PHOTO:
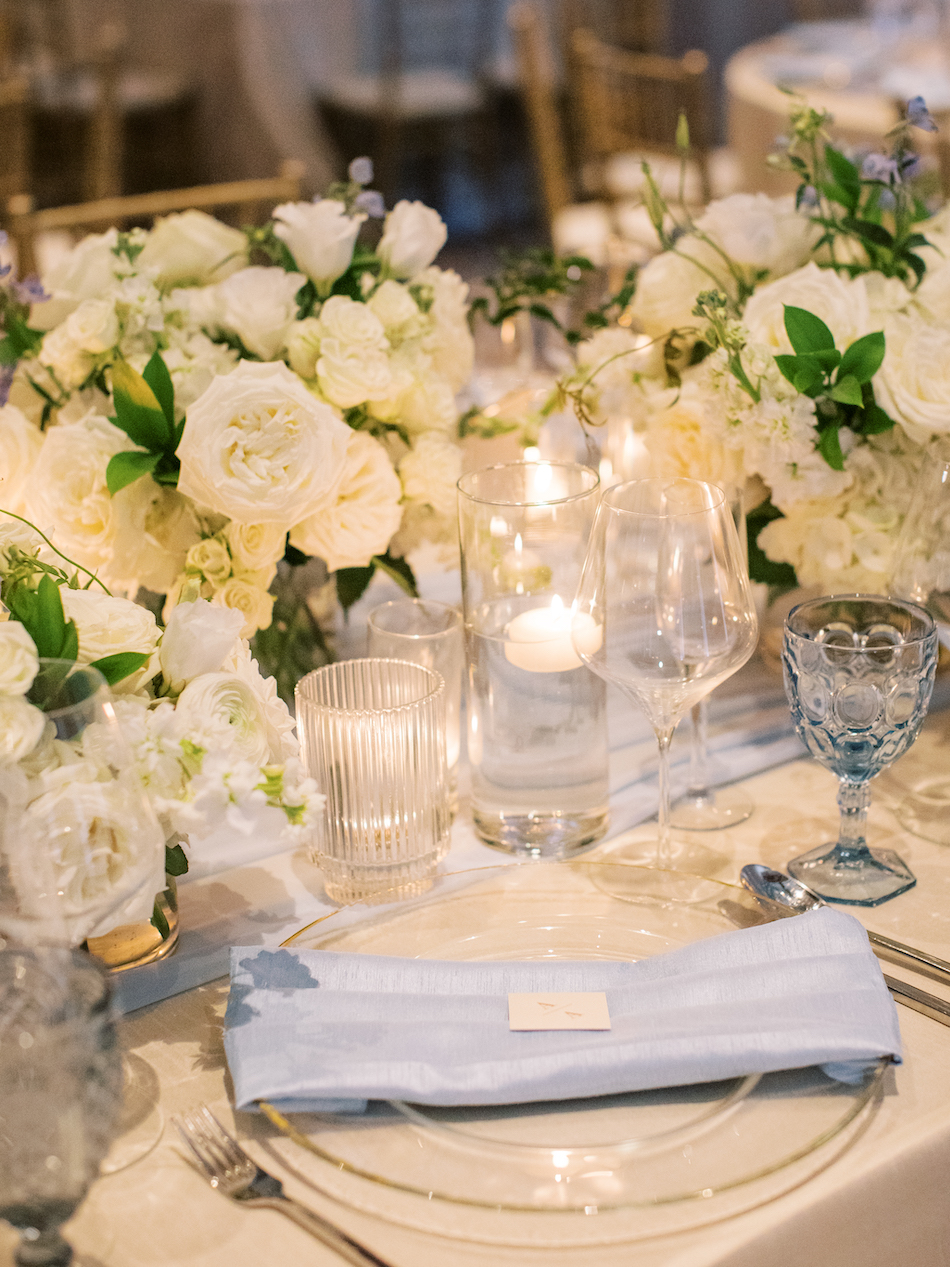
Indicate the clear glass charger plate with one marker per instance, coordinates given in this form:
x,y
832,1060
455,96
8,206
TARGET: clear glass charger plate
x,y
612,1168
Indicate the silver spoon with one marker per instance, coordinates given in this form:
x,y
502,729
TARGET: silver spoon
x,y
792,897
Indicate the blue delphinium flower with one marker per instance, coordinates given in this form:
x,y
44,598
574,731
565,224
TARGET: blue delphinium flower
x,y
919,116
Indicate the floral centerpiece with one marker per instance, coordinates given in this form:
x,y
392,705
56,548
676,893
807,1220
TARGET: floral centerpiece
x,y
797,347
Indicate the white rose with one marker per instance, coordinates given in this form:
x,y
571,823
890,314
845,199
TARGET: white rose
x,y
18,659
913,384
255,547
679,442
760,232
196,640
450,344
21,727
211,558
20,444
252,601
193,248
349,374
840,302
303,346
85,272
430,473
359,523
668,286
222,711
259,448
320,236
94,326
394,306
413,235
351,323
107,625
259,305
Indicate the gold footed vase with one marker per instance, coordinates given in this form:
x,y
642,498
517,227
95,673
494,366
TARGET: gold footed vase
x,y
132,945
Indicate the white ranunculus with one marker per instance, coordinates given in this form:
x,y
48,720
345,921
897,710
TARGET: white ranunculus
x,y
913,384
85,272
303,346
21,727
259,448
211,558
320,236
394,306
840,302
430,473
279,725
220,711
349,374
359,523
20,444
242,594
760,232
192,248
197,639
667,288
255,547
108,625
413,235
18,659
351,323
94,326
259,305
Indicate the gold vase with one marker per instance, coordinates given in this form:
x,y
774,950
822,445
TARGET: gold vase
x,y
131,945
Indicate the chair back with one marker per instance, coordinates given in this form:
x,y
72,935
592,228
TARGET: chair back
x,y
14,129
639,26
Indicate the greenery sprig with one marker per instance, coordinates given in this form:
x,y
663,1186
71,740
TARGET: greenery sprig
x,y
145,411
528,282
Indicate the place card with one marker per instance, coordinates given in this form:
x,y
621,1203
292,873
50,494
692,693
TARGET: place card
x,y
558,1011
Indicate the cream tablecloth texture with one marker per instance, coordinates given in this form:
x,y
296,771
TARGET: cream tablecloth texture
x,y
884,1203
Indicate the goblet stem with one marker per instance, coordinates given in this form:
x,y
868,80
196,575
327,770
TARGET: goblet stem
x,y
698,786
48,1249
664,842
853,802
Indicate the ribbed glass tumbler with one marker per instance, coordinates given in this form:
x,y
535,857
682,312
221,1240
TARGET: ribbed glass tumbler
x,y
373,736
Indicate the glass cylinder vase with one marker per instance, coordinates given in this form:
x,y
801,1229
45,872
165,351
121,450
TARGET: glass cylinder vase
x,y
536,716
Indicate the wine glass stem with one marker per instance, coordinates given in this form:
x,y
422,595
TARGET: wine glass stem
x,y
46,1250
664,851
698,786
853,802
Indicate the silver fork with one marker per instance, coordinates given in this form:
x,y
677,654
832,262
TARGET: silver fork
x,y
233,1172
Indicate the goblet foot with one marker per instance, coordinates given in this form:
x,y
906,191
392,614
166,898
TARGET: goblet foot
x,y
853,877
45,1248
688,856
711,809
926,812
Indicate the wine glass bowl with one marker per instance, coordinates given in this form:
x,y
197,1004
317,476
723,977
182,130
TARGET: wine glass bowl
x,y
858,673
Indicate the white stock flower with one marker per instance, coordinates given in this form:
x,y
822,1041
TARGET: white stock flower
x,y
107,625
70,364
87,271
259,305
913,384
18,659
395,307
255,547
359,522
21,727
259,448
759,232
250,600
20,444
840,302
430,472
668,286
320,236
303,346
211,558
193,360
413,235
450,343
197,639
192,248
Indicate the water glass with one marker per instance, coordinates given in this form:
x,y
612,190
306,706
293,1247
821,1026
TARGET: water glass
x,y
536,718
372,734
427,633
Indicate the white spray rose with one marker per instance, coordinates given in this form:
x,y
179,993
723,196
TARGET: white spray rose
x,y
760,232
94,326
255,547
913,384
196,640
840,302
413,235
108,625
359,523
85,272
430,473
320,236
394,306
259,305
193,249
21,727
303,346
20,444
259,448
211,558
242,594
18,659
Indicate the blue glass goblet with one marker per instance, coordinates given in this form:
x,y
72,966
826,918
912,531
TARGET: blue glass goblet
x,y
859,672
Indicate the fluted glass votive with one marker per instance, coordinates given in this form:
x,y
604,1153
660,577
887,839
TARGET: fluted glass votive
x,y
372,734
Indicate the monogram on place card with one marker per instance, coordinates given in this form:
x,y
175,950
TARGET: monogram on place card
x,y
558,1011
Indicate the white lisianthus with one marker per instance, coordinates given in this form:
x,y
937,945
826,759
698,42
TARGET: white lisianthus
x,y
87,271
259,448
192,248
395,307
359,523
255,547
450,343
413,235
759,232
197,639
303,346
20,444
840,302
430,472
18,659
913,384
349,374
94,326
667,288
320,236
211,558
252,601
155,526
351,323
259,305
21,727
107,625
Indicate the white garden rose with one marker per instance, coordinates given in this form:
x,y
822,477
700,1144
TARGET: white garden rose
x,y
85,272
197,639
840,302
303,346
244,595
430,473
759,232
259,448
913,384
94,326
349,374
18,659
259,305
21,727
193,249
20,444
395,307
320,236
682,445
211,558
255,547
359,523
667,288
351,323
108,625
413,235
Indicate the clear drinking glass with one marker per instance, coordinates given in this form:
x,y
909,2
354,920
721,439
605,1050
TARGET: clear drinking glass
x,y
921,574
427,633
60,1091
859,672
372,734
536,719
664,609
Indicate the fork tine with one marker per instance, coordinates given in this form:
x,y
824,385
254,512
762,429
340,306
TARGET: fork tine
x,y
226,1142
215,1149
182,1128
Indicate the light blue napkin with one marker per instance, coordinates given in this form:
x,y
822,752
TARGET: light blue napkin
x,y
327,1031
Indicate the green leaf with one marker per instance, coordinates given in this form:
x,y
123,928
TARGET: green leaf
x,y
846,175
126,467
158,920
916,263
829,446
809,379
158,378
69,649
835,193
847,391
876,234
761,568
176,860
8,353
116,667
876,420
863,358
351,584
807,332
137,410
399,571
48,628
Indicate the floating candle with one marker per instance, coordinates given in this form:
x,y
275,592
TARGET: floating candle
x,y
540,640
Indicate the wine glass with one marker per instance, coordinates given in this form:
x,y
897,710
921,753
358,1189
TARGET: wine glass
x,y
921,574
664,608
859,672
